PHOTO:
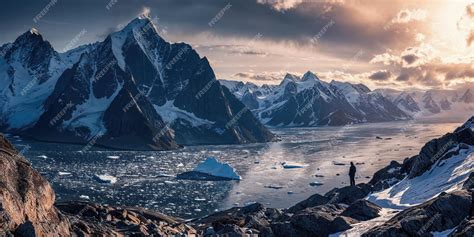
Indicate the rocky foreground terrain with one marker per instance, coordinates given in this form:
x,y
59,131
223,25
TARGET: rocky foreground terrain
x,y
28,205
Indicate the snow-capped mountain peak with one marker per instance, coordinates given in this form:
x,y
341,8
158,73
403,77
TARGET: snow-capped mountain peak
x,y
34,31
310,76
289,78
467,97
406,102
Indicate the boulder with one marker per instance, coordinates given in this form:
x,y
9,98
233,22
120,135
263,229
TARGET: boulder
x,y
321,220
313,201
284,229
362,210
230,231
254,217
98,220
349,194
441,213
387,176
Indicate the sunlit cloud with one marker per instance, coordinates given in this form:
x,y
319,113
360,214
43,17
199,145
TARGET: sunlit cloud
x,y
281,4
406,16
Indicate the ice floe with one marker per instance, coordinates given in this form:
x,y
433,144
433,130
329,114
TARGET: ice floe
x,y
316,183
290,165
105,178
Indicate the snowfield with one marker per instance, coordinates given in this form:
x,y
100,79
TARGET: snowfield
x,y
445,176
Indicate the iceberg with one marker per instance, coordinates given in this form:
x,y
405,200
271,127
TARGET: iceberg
x,y
211,169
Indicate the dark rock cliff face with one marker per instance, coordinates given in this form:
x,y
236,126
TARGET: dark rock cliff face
x,y
131,122
174,75
35,53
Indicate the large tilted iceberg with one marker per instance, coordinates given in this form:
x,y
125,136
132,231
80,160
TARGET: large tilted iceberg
x,y
211,169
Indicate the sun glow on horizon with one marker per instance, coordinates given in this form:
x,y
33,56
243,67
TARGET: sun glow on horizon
x,y
450,28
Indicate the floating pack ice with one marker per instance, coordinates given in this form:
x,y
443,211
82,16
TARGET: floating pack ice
x,y
211,169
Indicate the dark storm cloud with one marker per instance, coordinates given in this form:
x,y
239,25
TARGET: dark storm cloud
x,y
382,75
403,77
410,58
232,18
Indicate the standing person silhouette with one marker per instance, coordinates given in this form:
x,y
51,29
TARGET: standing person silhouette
x,y
352,173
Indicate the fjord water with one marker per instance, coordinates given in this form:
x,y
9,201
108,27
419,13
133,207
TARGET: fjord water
x,y
146,178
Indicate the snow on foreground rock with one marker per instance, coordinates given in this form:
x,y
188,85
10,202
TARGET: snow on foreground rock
x,y
445,176
211,169
427,195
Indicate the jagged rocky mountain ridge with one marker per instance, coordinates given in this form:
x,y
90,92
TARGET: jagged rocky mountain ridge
x,y
359,210
133,90
309,101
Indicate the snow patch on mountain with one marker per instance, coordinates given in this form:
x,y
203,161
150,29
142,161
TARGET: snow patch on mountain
x,y
171,113
28,94
90,114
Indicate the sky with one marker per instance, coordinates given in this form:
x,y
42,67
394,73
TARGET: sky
x,y
417,44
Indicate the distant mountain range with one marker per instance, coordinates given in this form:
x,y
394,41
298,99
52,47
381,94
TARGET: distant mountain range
x,y
133,90
432,102
309,101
